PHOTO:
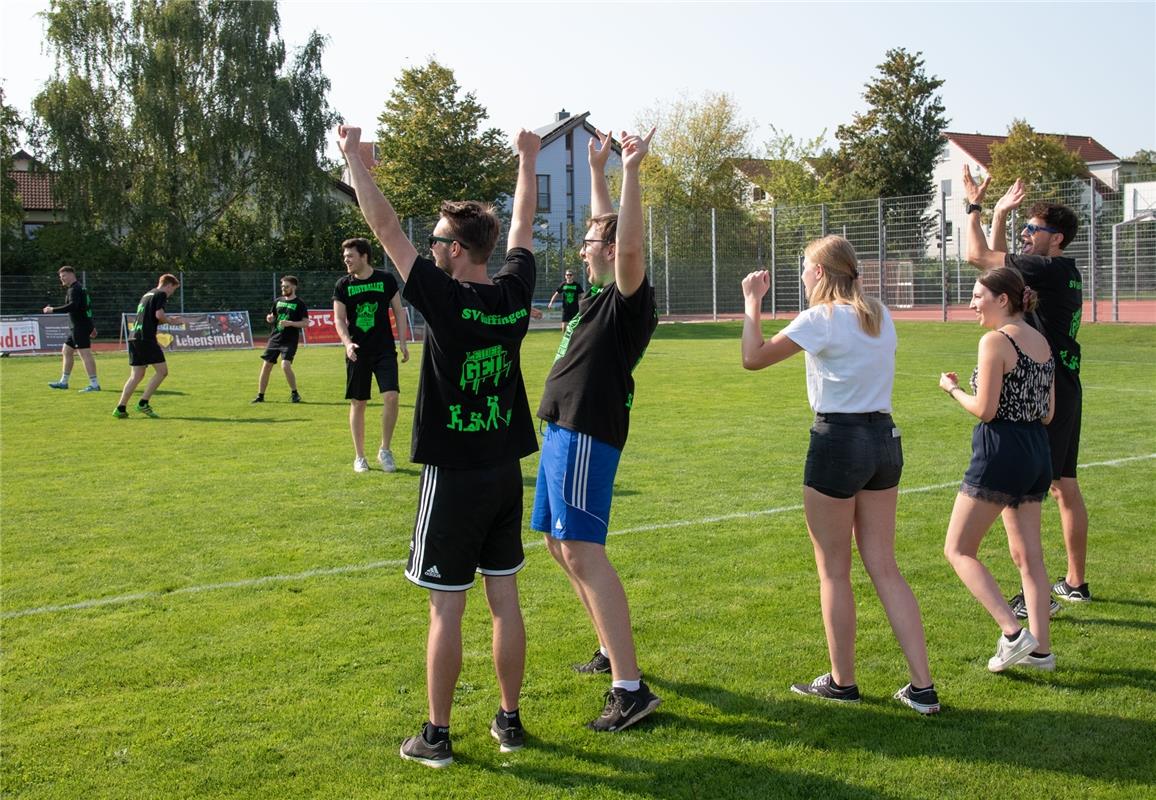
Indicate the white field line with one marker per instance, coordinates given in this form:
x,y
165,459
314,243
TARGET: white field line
x,y
246,583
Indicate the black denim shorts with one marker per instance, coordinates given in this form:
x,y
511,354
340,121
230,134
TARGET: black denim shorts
x,y
852,452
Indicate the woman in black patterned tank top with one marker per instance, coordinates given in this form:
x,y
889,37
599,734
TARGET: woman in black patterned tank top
x,y
1013,395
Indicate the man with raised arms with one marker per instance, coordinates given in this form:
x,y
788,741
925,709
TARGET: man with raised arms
x,y
471,426
586,403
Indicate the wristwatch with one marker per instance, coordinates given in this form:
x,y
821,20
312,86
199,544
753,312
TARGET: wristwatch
x,y
972,208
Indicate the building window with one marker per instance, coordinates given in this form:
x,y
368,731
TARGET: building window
x,y
757,194
948,229
570,192
543,194
945,187
569,140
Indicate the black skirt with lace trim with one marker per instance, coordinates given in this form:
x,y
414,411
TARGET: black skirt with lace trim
x,y
1011,463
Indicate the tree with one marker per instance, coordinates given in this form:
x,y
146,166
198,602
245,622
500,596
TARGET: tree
x,y
891,149
794,179
690,157
432,146
1145,158
11,211
164,119
1037,158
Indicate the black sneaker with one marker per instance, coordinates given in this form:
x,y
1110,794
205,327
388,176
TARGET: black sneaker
x,y
511,738
599,664
1073,594
294,398
824,687
258,399
624,708
416,748
925,701
1019,606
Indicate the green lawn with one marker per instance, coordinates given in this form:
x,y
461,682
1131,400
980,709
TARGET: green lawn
x,y
211,604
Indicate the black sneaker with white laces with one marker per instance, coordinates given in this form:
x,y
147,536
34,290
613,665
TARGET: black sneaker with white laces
x,y
418,748
925,701
1073,594
624,708
824,687
1019,606
599,664
509,733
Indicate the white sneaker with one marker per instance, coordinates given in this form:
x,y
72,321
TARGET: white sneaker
x,y
385,458
1008,653
1047,662
360,465
92,387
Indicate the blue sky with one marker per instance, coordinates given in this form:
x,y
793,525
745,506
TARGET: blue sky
x,y
1076,68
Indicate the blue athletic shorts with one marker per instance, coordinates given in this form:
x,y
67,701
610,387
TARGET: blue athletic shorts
x,y
575,485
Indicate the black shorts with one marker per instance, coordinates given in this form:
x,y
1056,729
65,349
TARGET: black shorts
x,y
1064,429
141,354
468,520
359,374
285,351
1010,463
568,312
80,338
853,452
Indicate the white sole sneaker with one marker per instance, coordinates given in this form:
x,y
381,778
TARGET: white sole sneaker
x,y
360,465
1047,662
1008,653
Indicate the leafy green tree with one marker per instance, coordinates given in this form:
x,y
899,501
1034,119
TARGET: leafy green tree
x,y
1037,158
690,157
1145,157
168,118
432,146
793,178
11,211
891,149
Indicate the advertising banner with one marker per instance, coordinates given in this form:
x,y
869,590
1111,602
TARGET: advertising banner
x,y
216,330
321,329
33,333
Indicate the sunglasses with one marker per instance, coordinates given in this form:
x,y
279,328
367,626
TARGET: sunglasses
x,y
1030,228
446,240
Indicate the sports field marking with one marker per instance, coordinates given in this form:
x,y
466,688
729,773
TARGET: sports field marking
x,y
246,583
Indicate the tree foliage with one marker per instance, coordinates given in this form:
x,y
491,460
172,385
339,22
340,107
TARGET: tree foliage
x,y
1037,158
169,121
794,179
11,211
432,147
689,166
891,149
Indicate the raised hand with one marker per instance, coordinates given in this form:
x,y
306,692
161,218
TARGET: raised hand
x,y
756,284
527,142
1012,198
948,382
601,153
635,148
974,191
348,138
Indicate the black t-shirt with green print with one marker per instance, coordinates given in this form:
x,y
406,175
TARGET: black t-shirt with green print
x,y
79,307
286,310
1058,283
367,309
144,327
569,292
590,388
471,409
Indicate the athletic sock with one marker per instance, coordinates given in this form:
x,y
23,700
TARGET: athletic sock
x,y
435,733
839,687
260,395
142,404
92,381
510,718
64,377
629,686
915,688
603,651
1038,654
1011,637
121,408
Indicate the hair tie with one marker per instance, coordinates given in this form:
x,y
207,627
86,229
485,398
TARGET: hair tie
x,y
1029,294
854,274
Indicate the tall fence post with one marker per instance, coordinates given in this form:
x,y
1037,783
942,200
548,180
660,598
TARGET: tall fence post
x,y
650,241
713,268
1092,245
666,261
774,262
182,278
943,251
1115,291
823,218
882,249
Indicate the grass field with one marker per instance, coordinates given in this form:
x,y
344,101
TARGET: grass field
x,y
211,604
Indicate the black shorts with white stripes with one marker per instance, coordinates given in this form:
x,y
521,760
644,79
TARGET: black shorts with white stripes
x,y
468,521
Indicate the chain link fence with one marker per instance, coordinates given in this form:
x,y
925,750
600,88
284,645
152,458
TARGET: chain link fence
x,y
911,251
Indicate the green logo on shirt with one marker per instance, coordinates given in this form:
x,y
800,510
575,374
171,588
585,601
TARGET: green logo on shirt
x,y
564,345
491,364
479,422
366,315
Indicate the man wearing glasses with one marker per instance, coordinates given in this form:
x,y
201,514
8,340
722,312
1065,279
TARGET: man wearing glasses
x,y
1056,279
586,403
471,427
361,302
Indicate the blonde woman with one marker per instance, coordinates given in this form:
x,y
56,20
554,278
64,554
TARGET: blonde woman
x,y
1013,394
851,477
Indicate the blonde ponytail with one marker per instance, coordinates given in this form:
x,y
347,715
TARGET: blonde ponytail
x,y
840,281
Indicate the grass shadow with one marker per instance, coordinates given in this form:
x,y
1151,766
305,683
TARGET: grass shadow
x,y
255,420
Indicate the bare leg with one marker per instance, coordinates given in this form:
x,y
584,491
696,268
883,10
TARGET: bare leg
x,y
290,376
160,372
1074,519
389,420
829,522
89,363
67,359
135,376
443,660
970,521
588,563
357,426
263,377
555,548
875,536
509,642
1023,537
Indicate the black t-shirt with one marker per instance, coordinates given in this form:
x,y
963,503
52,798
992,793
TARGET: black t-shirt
x,y
285,310
570,293
144,328
367,309
471,409
79,307
590,388
1057,316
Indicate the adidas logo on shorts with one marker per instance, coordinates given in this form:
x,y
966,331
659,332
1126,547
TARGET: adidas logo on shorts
x,y
432,572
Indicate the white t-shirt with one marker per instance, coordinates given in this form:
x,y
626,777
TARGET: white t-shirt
x,y
848,371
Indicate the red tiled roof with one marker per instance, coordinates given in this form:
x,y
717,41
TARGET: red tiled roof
x,y
35,190
978,146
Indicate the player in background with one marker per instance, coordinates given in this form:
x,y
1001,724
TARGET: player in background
x,y
78,306
143,348
569,290
290,315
